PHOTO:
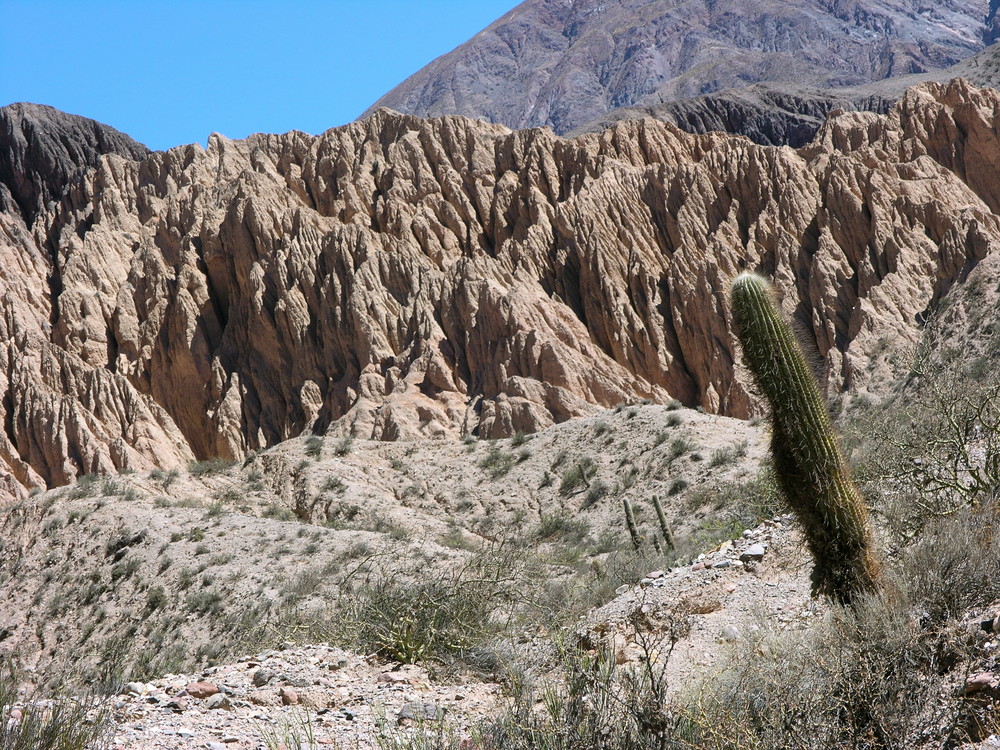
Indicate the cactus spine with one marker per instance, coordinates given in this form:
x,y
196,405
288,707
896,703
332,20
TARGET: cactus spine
x,y
810,468
633,530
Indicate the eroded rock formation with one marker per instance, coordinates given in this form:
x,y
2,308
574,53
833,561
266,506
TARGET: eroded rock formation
x,y
402,277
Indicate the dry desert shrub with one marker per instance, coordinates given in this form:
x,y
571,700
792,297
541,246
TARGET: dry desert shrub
x,y
51,724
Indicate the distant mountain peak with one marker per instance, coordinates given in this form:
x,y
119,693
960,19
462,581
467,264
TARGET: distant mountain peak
x,y
562,63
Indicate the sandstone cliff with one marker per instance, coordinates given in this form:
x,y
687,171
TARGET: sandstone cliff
x,y
563,63
402,277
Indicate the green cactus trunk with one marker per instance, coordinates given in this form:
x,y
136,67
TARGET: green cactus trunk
x,y
811,470
668,537
633,529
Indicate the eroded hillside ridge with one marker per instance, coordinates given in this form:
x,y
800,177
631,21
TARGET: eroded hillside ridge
x,y
400,277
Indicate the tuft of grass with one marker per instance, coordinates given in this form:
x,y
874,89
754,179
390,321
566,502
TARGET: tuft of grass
x,y
727,455
209,467
563,528
278,512
677,486
596,491
343,446
680,446
334,484
56,724
165,478
497,462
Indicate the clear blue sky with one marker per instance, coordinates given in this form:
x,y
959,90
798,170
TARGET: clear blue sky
x,y
169,73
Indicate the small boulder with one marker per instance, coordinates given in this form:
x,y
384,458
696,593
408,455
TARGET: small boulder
x,y
753,553
262,676
979,682
420,712
288,696
201,689
218,702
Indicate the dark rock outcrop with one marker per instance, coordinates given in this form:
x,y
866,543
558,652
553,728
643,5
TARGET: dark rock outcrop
x,y
42,150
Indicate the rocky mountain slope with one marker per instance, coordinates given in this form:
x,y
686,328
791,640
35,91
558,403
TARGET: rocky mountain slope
x,y
400,277
791,114
563,63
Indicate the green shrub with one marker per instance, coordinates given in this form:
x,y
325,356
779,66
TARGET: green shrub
x,y
156,599
448,617
868,677
598,704
314,446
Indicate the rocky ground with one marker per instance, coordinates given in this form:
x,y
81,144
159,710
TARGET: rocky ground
x,y
322,696
347,700
331,696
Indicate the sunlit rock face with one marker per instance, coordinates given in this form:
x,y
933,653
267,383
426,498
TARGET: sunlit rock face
x,y
400,277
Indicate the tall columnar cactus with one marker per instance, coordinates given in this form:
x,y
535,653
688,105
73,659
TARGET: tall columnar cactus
x,y
668,537
810,467
633,529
